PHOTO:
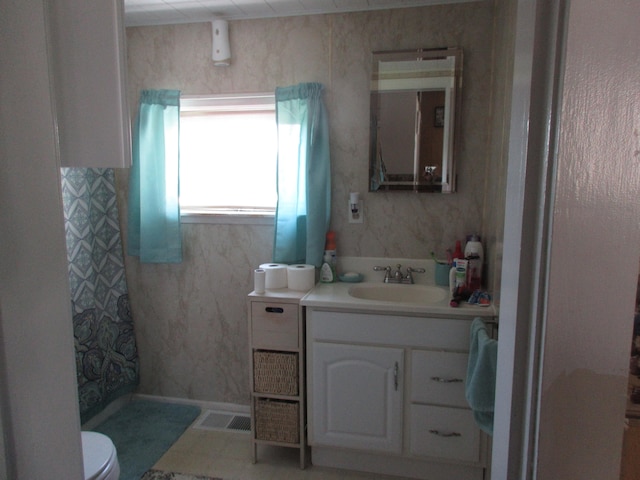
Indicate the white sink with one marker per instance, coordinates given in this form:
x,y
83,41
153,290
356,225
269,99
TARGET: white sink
x,y
392,292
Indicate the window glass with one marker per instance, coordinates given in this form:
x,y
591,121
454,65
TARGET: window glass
x,y
228,151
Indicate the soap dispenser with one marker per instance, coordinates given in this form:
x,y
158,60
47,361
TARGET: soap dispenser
x,y
329,261
327,271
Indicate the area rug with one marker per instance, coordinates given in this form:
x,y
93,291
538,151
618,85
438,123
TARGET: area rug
x,y
158,475
143,431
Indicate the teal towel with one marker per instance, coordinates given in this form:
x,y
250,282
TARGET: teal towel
x,y
481,375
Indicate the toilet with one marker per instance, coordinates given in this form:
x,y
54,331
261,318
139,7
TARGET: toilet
x,y
100,457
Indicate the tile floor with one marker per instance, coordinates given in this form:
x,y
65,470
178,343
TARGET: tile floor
x,y
227,454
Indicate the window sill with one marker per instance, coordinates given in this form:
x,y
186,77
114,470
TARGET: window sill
x,y
240,218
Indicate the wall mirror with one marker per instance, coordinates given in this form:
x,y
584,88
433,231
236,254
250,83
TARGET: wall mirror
x,y
415,107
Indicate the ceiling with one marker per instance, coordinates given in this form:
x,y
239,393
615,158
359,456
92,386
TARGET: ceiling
x,y
162,12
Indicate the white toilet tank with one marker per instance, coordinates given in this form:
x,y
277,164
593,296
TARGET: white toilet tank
x,y
100,457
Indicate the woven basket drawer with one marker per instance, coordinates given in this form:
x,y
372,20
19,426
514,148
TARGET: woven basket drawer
x,y
275,372
277,420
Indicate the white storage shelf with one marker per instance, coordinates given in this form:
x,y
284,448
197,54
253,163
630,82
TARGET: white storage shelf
x,y
276,340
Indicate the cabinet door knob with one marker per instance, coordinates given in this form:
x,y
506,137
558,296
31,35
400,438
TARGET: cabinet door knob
x,y
445,434
446,380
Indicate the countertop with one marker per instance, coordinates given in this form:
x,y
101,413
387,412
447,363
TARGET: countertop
x,y
335,296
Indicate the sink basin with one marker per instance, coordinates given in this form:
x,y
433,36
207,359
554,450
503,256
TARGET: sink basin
x,y
390,292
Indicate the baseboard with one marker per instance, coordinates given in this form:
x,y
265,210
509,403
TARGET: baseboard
x,y
109,410
203,404
120,402
405,467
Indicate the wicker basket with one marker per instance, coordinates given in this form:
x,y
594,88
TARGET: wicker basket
x,y
277,420
275,372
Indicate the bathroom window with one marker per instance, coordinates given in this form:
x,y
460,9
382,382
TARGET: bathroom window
x,y
228,152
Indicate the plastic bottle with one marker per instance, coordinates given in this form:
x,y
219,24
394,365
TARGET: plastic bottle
x,y
327,271
330,247
457,253
474,253
452,279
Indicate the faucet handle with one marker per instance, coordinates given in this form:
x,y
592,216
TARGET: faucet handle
x,y
410,270
415,270
380,269
387,270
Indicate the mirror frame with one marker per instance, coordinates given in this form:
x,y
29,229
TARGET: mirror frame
x,y
451,85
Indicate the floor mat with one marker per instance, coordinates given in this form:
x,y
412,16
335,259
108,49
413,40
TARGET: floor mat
x,y
143,431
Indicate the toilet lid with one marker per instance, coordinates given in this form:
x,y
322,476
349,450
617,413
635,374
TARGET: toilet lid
x,y
98,453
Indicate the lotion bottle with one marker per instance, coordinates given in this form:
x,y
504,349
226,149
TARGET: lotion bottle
x,y
452,279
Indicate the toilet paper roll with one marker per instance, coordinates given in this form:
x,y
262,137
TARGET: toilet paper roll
x,y
276,275
301,277
259,278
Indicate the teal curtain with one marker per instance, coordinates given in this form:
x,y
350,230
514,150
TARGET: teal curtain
x,y
154,211
304,175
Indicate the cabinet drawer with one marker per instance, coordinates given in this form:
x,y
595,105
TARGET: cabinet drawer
x,y
443,432
438,377
274,324
422,332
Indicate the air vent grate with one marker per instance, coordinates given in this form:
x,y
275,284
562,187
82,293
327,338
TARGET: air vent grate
x,y
240,423
212,420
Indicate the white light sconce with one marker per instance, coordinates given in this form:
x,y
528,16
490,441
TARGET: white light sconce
x,y
221,51
356,215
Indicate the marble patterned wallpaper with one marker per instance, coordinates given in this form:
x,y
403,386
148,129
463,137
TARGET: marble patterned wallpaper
x,y
190,318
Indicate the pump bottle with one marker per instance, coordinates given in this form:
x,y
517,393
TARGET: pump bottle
x,y
474,253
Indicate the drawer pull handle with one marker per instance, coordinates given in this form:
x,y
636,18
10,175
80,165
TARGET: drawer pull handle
x,y
274,309
445,434
446,380
395,376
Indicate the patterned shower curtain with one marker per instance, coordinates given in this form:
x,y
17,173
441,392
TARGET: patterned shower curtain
x,y
106,353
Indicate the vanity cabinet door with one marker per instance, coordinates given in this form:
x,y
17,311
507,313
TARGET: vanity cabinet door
x,y
357,393
89,66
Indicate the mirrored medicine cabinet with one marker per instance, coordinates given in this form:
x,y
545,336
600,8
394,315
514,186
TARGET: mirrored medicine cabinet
x,y
415,110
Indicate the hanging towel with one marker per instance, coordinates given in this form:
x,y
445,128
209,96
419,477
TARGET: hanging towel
x,y
480,385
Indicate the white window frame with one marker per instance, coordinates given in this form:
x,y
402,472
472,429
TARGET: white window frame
x,y
232,103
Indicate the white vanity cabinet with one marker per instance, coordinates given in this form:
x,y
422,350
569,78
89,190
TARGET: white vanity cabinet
x,y
386,395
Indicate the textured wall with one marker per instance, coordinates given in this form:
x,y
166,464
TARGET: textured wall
x,y
191,318
585,365
41,419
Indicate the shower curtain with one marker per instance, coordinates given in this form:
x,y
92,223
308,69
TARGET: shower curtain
x,y
106,353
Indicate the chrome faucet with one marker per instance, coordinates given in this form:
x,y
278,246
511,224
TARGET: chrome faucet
x,y
387,273
398,276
